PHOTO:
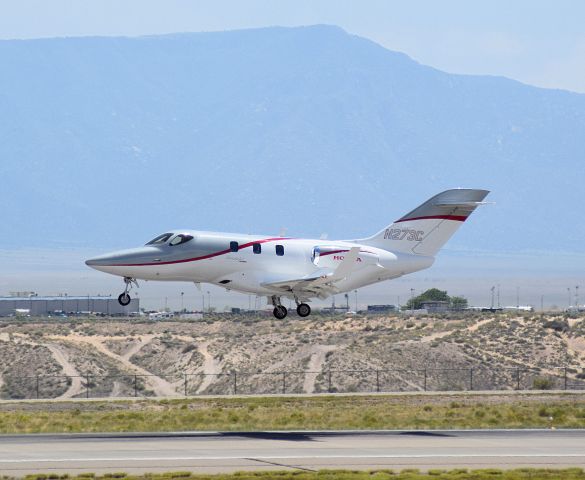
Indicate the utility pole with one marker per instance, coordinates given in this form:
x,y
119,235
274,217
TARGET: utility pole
x,y
182,305
577,297
346,302
569,292
202,303
492,290
499,305
355,291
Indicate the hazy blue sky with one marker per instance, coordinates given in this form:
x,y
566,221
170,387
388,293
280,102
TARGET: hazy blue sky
x,y
537,42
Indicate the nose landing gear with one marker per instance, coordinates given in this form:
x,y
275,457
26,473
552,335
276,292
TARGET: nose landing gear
x,y
124,298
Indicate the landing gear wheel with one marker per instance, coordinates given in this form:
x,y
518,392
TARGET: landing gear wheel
x,y
303,310
280,312
124,299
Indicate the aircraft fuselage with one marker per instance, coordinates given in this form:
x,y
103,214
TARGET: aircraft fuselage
x,y
212,258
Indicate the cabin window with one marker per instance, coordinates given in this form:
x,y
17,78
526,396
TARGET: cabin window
x,y
280,250
180,239
234,246
160,239
257,248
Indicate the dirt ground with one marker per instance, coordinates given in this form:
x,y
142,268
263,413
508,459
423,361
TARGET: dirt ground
x,y
127,357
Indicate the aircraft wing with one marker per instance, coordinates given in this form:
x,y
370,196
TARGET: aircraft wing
x,y
321,283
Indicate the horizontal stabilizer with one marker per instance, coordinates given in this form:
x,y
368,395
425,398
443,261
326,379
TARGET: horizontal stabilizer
x,y
461,204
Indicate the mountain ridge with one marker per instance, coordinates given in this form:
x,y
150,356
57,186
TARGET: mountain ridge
x,y
115,139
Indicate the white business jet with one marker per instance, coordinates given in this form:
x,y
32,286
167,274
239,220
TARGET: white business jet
x,y
296,268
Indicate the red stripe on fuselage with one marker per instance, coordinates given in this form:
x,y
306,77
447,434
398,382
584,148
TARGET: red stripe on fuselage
x,y
203,257
457,218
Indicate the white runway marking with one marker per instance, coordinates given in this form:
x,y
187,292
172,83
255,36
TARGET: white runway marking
x,y
291,457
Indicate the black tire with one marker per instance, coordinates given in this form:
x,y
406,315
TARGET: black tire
x,y
280,312
303,310
124,299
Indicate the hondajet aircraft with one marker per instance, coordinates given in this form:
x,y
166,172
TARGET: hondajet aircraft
x,y
296,268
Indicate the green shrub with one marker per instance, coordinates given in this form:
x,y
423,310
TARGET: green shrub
x,y
542,383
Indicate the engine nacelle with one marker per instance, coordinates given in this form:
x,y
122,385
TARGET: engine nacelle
x,y
330,256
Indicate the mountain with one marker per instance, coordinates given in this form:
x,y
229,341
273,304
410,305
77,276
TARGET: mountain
x,y
107,142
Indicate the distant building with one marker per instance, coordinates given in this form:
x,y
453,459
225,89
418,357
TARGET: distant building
x,y
65,305
435,306
26,294
382,308
519,308
191,316
160,315
576,309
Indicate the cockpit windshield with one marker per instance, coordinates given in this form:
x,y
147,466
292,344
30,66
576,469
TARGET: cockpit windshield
x,y
180,239
160,239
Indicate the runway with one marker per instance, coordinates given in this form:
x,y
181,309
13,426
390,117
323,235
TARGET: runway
x,y
214,452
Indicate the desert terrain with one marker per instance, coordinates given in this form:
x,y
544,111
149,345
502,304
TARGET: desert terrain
x,y
96,357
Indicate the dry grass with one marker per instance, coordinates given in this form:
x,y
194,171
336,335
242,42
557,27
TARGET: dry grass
x,y
327,413
411,474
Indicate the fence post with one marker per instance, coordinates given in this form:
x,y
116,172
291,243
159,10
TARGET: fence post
x,y
378,381
425,387
37,386
135,385
235,383
565,378
471,379
87,385
185,384
329,382
518,379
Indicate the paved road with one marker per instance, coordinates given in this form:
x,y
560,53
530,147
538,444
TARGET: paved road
x,y
227,452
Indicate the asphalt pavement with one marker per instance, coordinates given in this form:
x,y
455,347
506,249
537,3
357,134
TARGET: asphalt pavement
x,y
214,452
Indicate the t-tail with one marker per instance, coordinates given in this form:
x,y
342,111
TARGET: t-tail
x,y
428,227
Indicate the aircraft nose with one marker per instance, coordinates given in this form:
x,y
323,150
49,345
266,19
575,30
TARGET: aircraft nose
x,y
121,258
94,262
104,260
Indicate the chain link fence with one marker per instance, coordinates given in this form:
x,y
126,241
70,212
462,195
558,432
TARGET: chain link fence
x,y
291,382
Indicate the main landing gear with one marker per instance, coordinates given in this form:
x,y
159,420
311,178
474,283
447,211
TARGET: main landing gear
x,y
280,311
124,298
303,310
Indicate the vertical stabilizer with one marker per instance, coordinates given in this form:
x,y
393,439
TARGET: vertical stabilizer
x,y
425,230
